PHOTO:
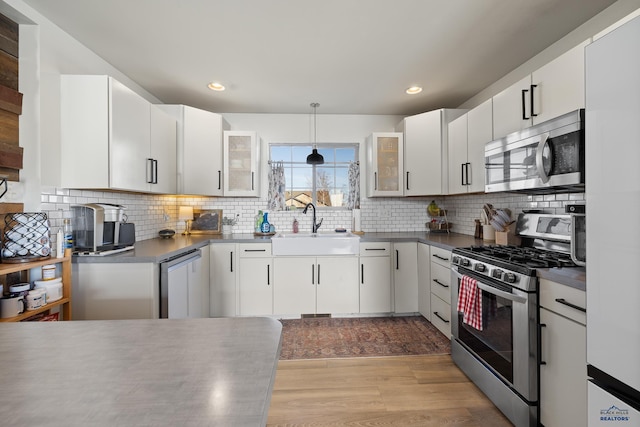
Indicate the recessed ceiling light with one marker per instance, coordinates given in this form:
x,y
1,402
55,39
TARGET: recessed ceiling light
x,y
215,86
413,90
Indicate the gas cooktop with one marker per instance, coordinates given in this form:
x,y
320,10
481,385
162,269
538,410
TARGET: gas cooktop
x,y
528,257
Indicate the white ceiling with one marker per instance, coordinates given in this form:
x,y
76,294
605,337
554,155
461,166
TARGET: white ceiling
x,y
351,56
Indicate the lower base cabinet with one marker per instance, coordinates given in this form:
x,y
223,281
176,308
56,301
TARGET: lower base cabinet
x,y
255,279
375,277
223,276
424,280
441,312
405,277
563,370
310,285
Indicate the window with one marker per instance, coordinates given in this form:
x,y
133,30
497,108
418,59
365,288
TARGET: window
x,y
325,185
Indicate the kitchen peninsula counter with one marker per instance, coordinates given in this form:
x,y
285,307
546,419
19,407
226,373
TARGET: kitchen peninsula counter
x,y
187,372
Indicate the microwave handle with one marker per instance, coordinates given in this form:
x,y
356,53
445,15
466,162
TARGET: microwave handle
x,y
541,173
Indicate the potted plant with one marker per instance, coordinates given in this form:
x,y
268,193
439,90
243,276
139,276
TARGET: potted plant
x,y
228,223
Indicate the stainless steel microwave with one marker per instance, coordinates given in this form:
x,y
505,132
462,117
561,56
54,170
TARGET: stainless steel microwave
x,y
543,159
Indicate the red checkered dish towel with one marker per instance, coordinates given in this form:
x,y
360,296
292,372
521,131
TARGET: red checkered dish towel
x,y
470,302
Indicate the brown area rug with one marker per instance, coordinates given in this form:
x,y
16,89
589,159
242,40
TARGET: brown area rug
x,y
322,337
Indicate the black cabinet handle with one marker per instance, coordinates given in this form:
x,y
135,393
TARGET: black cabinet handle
x,y
466,167
219,180
268,275
462,181
407,180
568,304
255,250
531,103
154,166
542,325
397,260
252,188
375,180
313,282
362,274
318,274
375,249
439,257
440,317
440,283
524,105
231,260
149,171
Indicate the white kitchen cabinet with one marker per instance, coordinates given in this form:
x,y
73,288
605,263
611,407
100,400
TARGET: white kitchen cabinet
x,y
106,122
385,164
468,134
426,152
375,277
223,276
255,279
441,289
554,89
563,369
424,280
405,277
115,291
316,285
188,289
199,150
241,164
163,152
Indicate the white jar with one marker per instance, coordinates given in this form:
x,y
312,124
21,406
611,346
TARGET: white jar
x,y
53,288
36,299
49,272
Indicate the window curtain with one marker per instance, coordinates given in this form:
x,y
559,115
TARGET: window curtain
x,y
277,186
353,201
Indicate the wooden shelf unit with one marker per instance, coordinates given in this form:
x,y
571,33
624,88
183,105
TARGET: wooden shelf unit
x,y
64,303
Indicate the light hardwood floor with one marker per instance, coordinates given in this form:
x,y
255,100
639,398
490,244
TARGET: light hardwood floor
x,y
403,391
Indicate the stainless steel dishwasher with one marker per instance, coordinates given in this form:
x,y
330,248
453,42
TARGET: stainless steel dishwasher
x,y
174,285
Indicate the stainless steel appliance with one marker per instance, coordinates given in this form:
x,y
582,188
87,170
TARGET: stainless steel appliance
x,y
578,233
502,359
174,286
613,247
101,229
545,158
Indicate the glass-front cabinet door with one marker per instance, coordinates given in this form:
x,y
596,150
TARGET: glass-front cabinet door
x,y
241,164
385,164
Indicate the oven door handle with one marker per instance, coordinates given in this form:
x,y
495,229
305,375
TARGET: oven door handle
x,y
492,290
503,294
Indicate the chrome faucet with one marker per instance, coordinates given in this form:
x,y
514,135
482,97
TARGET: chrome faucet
x,y
314,225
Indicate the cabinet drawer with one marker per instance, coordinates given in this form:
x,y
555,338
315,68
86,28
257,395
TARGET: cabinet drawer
x,y
441,315
375,248
441,281
254,250
560,299
441,256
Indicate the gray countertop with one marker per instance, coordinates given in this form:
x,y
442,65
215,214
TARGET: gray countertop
x,y
158,250
188,372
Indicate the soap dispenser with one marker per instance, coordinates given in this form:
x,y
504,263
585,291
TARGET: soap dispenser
x,y
265,227
295,225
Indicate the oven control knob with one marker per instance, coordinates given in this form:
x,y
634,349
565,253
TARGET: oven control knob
x,y
465,262
496,274
455,260
510,278
479,267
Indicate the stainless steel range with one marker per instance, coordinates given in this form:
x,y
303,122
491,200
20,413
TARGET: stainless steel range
x,y
496,340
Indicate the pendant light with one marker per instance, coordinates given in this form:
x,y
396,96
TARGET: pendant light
x,y
315,158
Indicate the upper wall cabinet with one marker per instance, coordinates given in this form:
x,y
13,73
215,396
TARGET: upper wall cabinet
x,y
199,150
241,164
163,152
384,164
554,89
106,137
468,134
426,152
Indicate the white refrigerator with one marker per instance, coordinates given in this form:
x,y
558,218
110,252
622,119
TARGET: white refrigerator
x,y
612,131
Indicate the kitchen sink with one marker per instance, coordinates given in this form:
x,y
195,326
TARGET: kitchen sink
x,y
310,244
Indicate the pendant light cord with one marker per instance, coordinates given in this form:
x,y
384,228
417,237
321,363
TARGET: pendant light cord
x,y
315,126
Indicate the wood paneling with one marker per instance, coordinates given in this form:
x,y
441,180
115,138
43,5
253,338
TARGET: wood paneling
x,y
387,391
9,36
10,101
